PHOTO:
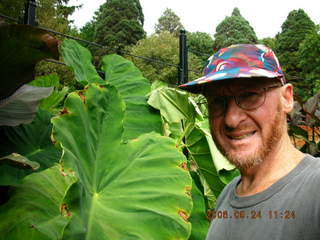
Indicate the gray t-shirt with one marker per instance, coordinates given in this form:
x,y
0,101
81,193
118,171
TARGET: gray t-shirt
x,y
288,210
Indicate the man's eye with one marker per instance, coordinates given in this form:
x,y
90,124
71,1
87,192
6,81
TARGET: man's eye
x,y
248,94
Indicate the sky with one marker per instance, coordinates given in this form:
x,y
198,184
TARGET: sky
x,y
266,17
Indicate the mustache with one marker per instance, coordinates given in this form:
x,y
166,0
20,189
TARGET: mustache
x,y
240,128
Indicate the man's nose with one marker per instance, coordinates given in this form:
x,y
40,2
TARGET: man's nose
x,y
233,113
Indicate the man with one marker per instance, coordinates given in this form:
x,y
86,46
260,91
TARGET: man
x,y
277,195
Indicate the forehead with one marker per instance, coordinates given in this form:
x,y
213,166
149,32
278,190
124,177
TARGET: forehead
x,y
237,85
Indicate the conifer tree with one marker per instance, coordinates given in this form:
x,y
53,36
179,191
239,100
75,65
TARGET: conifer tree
x,y
170,22
119,23
233,30
309,63
294,30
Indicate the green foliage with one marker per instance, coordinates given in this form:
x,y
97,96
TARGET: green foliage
x,y
52,102
133,88
169,22
200,44
31,141
309,63
119,23
117,178
50,13
294,30
129,81
198,218
269,42
106,165
232,30
87,32
36,208
125,187
85,72
183,121
12,8
165,48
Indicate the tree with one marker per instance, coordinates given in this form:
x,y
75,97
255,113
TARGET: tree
x,y
309,62
269,42
165,48
232,30
200,44
119,23
170,22
294,30
12,8
49,13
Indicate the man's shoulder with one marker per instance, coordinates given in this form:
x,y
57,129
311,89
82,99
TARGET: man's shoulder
x,y
313,166
311,174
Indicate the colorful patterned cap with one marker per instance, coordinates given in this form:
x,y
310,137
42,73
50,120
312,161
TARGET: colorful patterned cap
x,y
238,61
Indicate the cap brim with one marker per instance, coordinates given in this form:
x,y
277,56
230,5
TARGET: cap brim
x,y
197,85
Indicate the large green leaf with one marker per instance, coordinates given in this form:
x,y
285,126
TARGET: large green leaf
x,y
36,210
198,218
137,189
133,88
21,47
174,105
79,58
224,168
19,161
31,141
57,96
21,107
186,122
199,150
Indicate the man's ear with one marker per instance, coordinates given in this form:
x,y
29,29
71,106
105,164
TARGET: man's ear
x,y
287,97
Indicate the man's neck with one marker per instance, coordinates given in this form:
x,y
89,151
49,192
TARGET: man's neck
x,y
278,164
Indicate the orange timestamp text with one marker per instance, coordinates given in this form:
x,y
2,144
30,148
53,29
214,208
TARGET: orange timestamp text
x,y
253,214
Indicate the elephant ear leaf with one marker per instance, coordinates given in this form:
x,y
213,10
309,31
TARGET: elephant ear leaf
x,y
79,59
19,161
22,106
21,47
133,88
127,188
36,209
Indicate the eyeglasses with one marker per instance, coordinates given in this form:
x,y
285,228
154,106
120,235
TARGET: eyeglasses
x,y
248,100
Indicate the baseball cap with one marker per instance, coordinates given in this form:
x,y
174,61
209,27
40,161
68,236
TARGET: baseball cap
x,y
236,62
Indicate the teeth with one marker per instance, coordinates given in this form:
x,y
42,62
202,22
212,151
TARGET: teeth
x,y
242,136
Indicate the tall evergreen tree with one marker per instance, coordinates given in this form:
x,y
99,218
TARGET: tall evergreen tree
x,y
294,30
309,63
232,30
170,22
119,23
200,44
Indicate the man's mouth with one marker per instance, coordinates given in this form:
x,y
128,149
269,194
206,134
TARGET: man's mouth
x,y
240,136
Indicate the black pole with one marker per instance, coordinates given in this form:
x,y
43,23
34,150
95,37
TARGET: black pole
x,y
30,13
183,53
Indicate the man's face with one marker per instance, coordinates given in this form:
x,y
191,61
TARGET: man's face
x,y
247,137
